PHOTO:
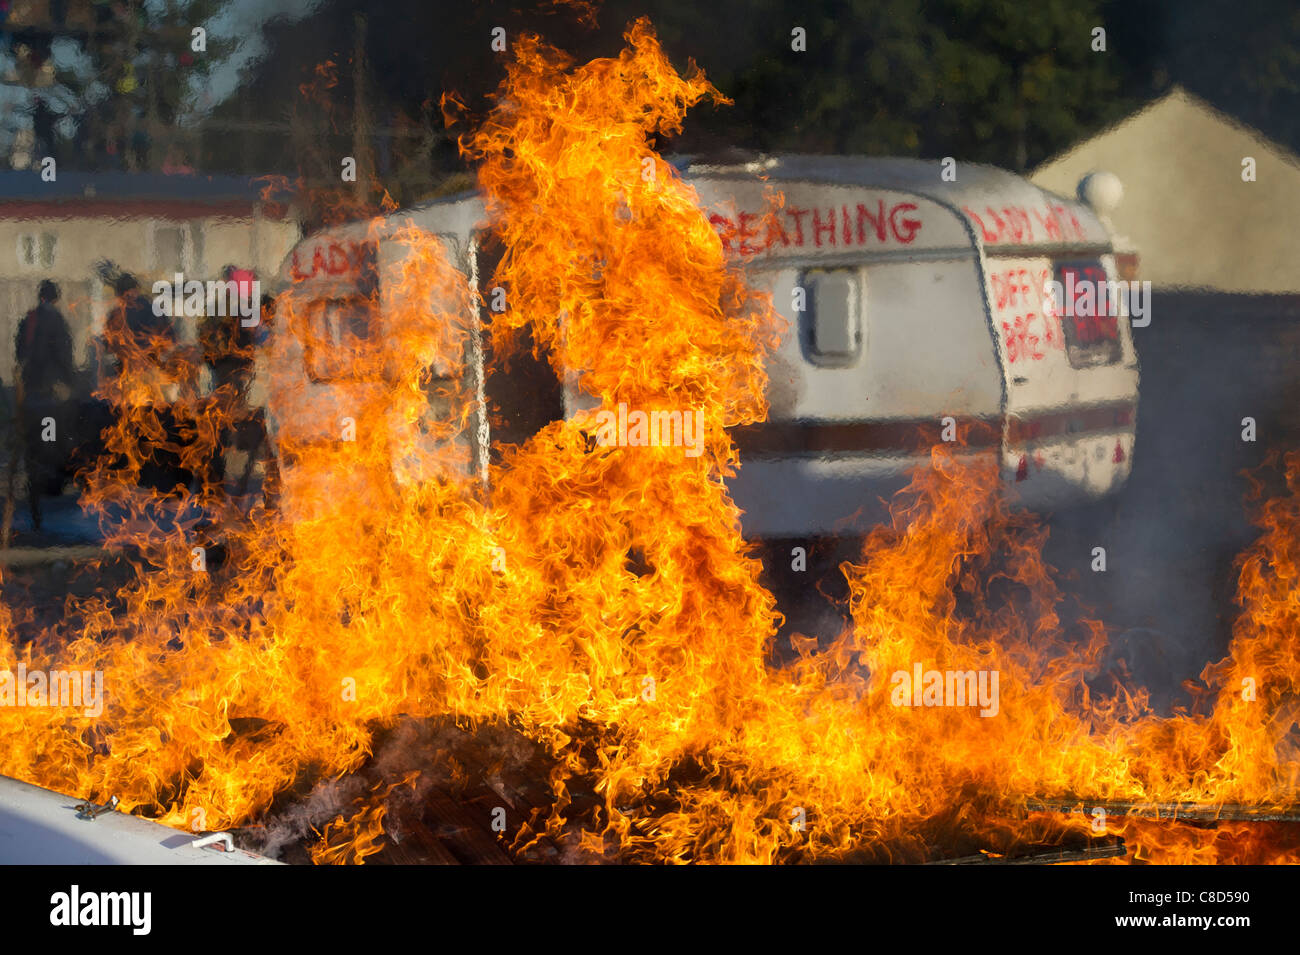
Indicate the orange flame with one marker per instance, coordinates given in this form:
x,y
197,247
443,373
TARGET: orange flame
x,y
601,600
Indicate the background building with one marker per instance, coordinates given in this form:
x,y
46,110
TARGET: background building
x,y
1195,222
152,226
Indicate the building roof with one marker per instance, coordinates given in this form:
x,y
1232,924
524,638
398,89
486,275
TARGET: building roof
x,y
81,193
1193,220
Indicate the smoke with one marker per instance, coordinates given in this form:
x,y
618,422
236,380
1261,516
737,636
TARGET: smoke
x,y
327,800
1173,533
422,755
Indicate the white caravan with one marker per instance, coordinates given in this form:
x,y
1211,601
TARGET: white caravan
x,y
920,310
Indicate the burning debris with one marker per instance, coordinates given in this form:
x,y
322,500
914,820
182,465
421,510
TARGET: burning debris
x,y
320,675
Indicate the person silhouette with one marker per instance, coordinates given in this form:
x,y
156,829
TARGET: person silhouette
x,y
46,373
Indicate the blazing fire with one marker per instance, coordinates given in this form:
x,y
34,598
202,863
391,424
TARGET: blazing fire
x,y
600,601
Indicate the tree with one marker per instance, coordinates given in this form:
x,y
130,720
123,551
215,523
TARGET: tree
x,y
126,72
1021,81
996,81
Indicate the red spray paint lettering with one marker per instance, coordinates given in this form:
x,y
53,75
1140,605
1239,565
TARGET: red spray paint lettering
x,y
336,258
1014,225
1027,317
1022,343
846,227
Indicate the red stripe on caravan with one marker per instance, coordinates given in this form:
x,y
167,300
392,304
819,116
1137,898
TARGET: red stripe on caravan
x,y
913,435
1114,416
917,435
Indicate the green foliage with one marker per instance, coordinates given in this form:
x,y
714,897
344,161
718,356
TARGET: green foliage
x,y
1008,82
142,71
997,81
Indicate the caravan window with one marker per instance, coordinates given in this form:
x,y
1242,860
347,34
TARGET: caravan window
x,y
338,340
1090,313
832,316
